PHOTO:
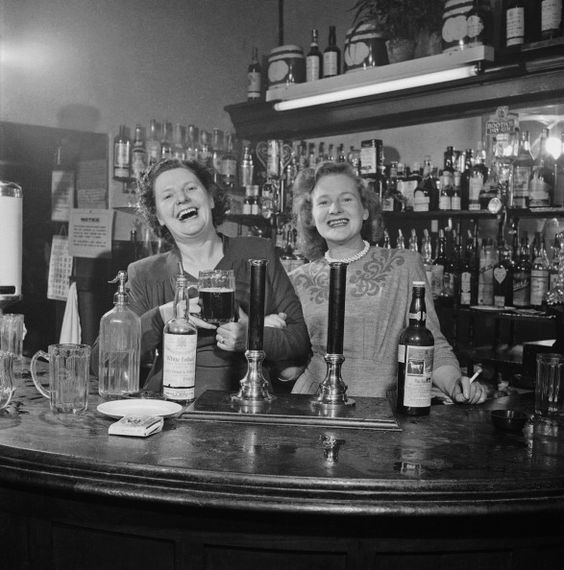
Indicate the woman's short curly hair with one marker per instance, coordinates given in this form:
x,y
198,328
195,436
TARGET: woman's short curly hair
x,y
146,188
310,242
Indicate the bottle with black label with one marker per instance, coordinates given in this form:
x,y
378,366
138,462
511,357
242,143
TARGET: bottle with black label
x,y
332,55
415,358
314,59
254,78
180,339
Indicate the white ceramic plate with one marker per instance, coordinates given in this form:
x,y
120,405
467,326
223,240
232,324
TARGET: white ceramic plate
x,y
139,407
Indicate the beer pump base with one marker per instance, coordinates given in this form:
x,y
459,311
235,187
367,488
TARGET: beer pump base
x,y
332,392
255,392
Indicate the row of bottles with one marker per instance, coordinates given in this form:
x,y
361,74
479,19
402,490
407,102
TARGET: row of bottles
x,y
525,21
163,140
470,271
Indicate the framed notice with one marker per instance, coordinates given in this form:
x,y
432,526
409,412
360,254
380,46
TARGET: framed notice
x,y
60,269
90,233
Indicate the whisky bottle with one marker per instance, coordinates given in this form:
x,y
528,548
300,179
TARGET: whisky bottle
x,y
486,277
120,346
229,163
180,339
503,277
314,59
439,264
138,153
522,170
122,155
539,276
541,184
254,78
332,55
153,143
415,358
178,143
166,140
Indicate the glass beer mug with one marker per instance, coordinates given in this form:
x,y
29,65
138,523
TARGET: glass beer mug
x,y
7,387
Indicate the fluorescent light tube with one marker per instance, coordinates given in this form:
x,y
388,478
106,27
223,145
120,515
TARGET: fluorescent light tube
x,y
378,88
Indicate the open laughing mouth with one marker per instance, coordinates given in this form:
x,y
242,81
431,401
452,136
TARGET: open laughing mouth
x,y
338,222
187,214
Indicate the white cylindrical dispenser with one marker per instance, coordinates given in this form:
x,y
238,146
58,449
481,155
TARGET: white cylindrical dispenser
x,y
11,210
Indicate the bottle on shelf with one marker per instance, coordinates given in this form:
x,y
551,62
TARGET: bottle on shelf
x,y
246,168
120,346
204,149
332,55
192,142
445,191
554,266
486,277
415,358
153,143
503,277
541,184
456,197
558,197
427,255
122,155
178,142
522,171
465,180
515,23
400,242
166,140
254,78
217,147
138,153
448,293
551,19
314,59
539,275
180,339
468,285
439,264
522,276
229,163
386,241
431,186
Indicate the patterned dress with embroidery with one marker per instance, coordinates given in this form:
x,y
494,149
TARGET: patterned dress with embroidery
x,y
378,295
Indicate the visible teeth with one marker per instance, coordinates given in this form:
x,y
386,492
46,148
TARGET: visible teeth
x,y
339,222
187,213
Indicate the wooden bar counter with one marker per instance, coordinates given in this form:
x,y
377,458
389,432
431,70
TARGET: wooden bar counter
x,y
447,491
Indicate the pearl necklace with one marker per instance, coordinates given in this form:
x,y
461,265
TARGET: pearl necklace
x,y
352,258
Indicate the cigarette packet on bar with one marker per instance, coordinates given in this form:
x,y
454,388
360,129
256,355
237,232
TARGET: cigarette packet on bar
x,y
137,426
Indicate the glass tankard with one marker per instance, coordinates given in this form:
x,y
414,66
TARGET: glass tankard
x,y
7,386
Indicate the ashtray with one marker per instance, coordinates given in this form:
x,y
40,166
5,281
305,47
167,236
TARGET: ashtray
x,y
509,420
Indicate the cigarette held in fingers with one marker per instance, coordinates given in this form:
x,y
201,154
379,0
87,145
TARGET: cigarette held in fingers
x,y
475,375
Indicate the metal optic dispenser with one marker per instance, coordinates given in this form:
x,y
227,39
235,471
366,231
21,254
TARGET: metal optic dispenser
x,y
11,210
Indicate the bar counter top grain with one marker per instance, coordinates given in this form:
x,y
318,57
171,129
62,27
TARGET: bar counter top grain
x,y
448,466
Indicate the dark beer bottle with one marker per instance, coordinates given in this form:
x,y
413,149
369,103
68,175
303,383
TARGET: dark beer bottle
x,y
332,55
415,359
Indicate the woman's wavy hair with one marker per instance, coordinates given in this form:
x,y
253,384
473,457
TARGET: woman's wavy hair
x,y
146,188
310,242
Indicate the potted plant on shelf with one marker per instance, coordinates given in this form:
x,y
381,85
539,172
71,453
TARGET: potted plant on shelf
x,y
407,24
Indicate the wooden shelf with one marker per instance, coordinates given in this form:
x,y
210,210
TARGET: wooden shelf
x,y
529,76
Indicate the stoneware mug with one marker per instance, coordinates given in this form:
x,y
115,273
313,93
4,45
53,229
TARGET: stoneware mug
x,y
68,376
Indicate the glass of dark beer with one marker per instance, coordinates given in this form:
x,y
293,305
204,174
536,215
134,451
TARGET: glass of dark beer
x,y
217,295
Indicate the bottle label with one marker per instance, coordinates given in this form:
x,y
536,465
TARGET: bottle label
x,y
253,85
418,362
312,68
179,366
465,287
521,175
455,203
539,286
444,202
330,64
521,289
515,26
